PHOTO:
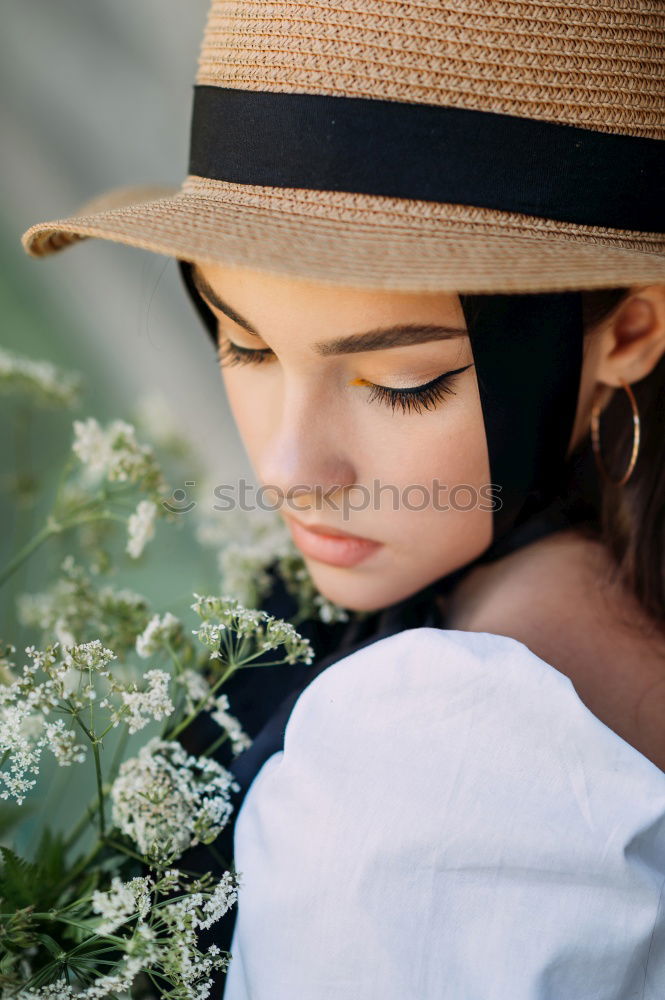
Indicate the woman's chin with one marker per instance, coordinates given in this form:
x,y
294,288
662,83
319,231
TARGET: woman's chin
x,y
357,590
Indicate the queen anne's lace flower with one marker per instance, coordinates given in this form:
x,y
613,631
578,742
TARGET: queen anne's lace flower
x,y
114,454
141,527
293,571
122,901
24,730
20,752
196,687
91,446
265,631
75,605
91,656
239,739
62,743
46,384
158,632
167,800
141,707
183,918
249,544
160,936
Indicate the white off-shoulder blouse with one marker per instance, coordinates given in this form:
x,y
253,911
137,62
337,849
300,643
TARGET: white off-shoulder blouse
x,y
449,821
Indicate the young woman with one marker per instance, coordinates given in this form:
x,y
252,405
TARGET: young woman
x,y
429,241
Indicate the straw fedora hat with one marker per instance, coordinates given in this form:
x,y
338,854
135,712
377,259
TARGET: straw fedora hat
x,y
435,145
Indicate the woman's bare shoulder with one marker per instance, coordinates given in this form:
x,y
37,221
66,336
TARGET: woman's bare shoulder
x,y
563,598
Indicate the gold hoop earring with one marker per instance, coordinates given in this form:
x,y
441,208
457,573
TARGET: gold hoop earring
x,y
595,438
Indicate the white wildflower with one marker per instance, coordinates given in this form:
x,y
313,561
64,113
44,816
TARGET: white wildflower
x,y
43,381
252,543
113,453
167,800
239,739
265,631
141,707
328,611
293,571
121,902
92,656
53,991
62,744
224,895
210,635
158,632
141,527
91,446
247,544
169,882
19,750
280,633
24,703
75,605
180,956
244,571
197,689
129,460
111,985
162,939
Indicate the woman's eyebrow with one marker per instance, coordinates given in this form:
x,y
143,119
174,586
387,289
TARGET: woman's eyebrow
x,y
213,298
399,335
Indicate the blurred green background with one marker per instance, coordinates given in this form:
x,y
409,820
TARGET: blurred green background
x,y
97,94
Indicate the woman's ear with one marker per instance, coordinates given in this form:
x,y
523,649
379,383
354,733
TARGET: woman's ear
x,y
633,337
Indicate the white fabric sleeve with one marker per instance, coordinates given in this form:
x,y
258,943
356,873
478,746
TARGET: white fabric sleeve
x,y
448,821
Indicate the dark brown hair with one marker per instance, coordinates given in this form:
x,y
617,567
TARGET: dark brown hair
x,y
632,516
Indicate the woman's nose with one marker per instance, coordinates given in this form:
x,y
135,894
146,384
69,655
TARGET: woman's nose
x,y
306,453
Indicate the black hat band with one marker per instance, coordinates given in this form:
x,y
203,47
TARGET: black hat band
x,y
429,153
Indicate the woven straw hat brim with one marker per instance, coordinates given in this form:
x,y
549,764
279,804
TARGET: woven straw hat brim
x,y
360,241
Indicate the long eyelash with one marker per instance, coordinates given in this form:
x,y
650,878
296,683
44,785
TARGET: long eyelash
x,y
231,354
419,398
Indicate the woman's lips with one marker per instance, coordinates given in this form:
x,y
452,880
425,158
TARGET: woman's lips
x,y
329,545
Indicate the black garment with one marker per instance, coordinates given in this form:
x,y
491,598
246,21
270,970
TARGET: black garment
x,y
262,698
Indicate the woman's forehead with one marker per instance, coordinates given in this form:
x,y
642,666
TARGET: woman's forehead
x,y
254,295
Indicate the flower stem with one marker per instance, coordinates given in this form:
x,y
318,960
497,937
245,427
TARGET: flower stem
x,y
100,789
52,527
201,705
214,746
98,775
89,810
45,532
124,850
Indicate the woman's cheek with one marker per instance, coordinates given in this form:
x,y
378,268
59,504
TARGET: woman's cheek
x,y
448,444
251,408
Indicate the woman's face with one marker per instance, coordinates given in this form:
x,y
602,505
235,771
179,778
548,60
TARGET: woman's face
x,y
353,423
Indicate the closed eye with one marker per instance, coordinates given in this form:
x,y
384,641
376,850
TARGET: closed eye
x,y
232,354
414,399
419,397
